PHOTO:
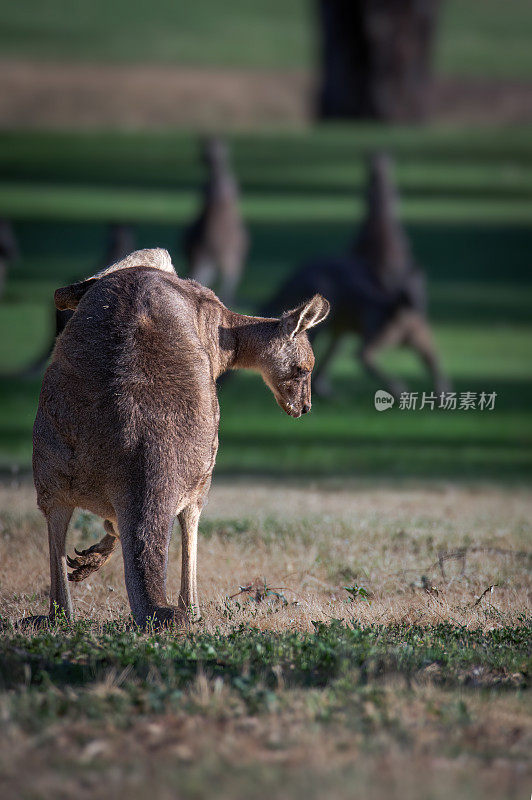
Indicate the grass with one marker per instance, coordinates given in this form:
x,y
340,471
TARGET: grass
x,y
271,34
326,538
466,201
161,724
311,688
255,662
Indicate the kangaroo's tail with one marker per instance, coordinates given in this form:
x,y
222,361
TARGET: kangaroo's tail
x,y
145,522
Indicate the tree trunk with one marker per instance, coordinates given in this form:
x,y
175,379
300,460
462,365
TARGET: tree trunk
x,y
376,58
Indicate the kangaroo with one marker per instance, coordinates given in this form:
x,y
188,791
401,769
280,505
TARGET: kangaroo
x,y
376,291
8,250
216,243
120,241
127,422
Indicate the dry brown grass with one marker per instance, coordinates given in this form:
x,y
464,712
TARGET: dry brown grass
x,y
311,542
393,737
46,95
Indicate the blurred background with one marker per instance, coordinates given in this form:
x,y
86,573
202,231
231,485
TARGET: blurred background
x,y
102,109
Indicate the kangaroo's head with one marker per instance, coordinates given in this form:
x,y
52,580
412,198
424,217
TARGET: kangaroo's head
x,y
287,362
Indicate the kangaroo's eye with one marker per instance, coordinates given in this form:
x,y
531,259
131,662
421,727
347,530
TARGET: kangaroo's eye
x,y
302,373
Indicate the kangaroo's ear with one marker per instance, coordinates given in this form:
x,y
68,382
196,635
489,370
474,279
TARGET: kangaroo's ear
x,y
69,296
305,316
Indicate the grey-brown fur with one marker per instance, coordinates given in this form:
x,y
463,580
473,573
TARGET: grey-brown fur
x,y
216,243
127,424
376,291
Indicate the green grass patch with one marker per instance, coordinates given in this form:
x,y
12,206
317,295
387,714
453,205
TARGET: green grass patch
x,y
487,40
50,673
466,201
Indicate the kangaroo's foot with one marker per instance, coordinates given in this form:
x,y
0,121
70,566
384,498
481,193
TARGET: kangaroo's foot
x,y
34,622
38,621
442,384
169,617
191,611
89,560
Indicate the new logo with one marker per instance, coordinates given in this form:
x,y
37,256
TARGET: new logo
x,y
383,400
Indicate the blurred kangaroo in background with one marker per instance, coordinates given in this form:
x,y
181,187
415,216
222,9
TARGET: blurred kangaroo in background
x,y
120,242
9,251
216,243
376,291
127,423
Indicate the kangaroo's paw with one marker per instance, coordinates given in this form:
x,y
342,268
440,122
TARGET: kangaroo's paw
x,y
89,560
84,565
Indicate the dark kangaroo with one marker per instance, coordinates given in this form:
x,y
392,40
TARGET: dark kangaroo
x,y
216,243
376,291
127,423
120,242
9,251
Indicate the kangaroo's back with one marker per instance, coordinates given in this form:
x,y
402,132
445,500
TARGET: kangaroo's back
x,y
137,327
129,390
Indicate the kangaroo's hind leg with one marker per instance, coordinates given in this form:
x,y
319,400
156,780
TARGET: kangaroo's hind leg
x,y
390,335
145,530
88,561
188,596
420,339
57,519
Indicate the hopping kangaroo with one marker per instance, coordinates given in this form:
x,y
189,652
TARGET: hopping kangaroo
x,y
127,424
376,291
216,243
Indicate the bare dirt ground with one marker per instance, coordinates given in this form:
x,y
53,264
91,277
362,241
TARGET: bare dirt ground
x,y
424,555
55,95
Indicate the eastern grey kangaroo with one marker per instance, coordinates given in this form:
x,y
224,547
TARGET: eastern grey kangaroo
x,y
376,291
127,423
216,243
